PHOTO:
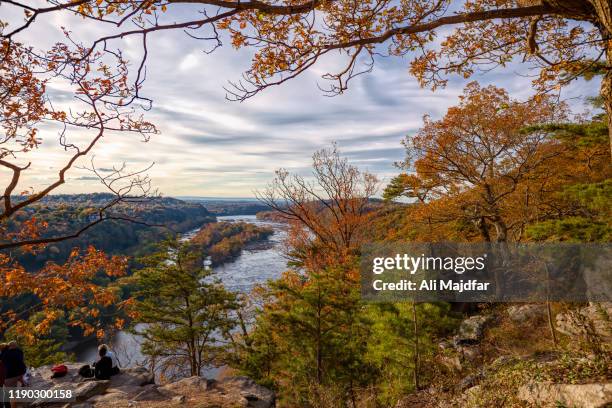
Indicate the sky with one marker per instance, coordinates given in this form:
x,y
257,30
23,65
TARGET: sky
x,y
209,146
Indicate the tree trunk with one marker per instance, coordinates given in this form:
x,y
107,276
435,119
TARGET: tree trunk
x,y
606,92
603,9
551,324
416,347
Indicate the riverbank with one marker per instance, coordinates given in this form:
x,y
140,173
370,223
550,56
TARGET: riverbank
x,y
258,262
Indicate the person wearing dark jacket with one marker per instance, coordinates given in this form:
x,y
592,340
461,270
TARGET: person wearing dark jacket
x,y
3,347
103,368
14,367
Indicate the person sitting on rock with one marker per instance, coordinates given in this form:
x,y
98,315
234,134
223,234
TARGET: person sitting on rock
x,y
103,368
112,356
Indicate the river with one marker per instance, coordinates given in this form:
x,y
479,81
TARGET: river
x,y
257,263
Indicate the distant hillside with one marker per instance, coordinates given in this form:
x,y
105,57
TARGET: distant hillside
x,y
222,206
68,213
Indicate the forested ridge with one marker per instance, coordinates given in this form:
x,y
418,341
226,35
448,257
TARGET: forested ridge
x,y
151,220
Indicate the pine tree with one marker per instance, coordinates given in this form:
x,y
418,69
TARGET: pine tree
x,y
183,313
311,337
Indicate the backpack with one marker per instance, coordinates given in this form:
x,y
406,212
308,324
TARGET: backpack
x,y
86,371
59,370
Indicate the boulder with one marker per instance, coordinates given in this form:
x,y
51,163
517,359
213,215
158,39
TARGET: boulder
x,y
471,329
593,320
111,397
595,395
245,390
128,390
189,382
150,393
523,313
138,376
135,387
79,405
88,389
45,403
41,376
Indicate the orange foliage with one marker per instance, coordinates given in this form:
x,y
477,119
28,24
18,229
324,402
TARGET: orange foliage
x,y
489,166
70,286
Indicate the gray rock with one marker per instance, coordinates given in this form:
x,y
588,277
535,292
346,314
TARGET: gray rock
x,y
133,376
254,394
593,320
129,390
595,395
41,376
109,399
89,389
523,313
81,405
190,382
472,329
51,386
470,381
150,393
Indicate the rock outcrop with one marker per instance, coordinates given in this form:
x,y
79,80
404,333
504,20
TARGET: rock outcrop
x,y
523,313
472,329
591,321
135,387
464,349
568,395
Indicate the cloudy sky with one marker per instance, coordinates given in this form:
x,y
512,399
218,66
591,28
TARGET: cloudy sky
x,y
212,147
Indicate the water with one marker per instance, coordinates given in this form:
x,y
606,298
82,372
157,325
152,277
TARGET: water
x,y
258,262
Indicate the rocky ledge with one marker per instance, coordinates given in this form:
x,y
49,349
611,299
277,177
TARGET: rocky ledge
x,y
135,387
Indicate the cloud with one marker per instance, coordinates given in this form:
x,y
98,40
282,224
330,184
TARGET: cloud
x,y
86,178
212,147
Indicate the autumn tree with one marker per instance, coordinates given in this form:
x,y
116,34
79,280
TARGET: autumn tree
x,y
478,164
29,114
313,338
329,211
